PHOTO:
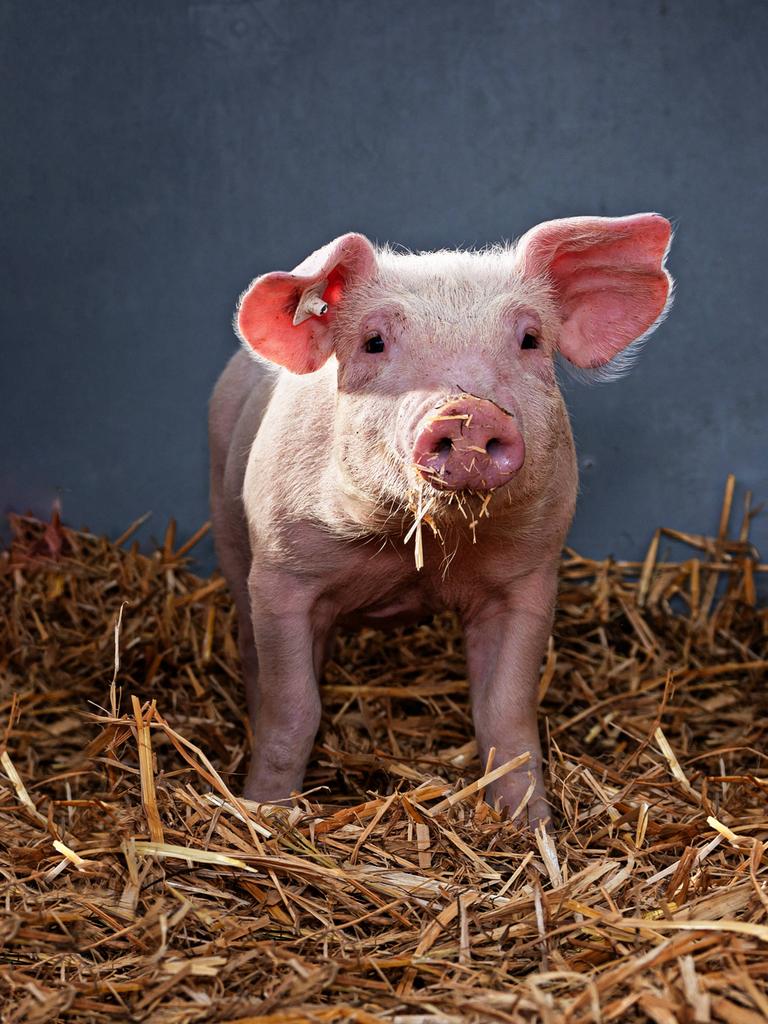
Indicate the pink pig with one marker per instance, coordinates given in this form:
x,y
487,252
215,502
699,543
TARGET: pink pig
x,y
379,390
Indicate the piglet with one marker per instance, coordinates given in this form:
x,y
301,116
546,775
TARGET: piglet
x,y
385,396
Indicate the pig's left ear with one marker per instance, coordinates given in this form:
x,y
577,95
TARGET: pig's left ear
x,y
288,318
608,279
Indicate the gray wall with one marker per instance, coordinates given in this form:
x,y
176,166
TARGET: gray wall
x,y
157,155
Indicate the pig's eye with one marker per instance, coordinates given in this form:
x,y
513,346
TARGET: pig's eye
x,y
374,345
530,341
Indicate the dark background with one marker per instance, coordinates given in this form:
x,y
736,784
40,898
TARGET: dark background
x,y
158,155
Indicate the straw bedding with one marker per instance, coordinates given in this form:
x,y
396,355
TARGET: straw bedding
x,y
136,885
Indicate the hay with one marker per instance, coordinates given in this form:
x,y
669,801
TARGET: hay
x,y
137,885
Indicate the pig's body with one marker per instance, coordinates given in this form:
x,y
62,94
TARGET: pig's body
x,y
313,490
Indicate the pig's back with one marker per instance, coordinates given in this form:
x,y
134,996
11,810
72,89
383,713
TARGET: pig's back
x,y
237,406
241,394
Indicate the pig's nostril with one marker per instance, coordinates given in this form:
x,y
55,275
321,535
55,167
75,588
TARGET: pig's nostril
x,y
445,444
493,446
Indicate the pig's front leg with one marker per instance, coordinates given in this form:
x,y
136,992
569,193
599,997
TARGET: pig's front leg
x,y
505,642
283,699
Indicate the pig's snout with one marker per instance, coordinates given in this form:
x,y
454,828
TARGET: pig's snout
x,y
468,444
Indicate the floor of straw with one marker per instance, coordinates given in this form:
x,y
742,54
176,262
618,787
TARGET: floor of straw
x,y
136,885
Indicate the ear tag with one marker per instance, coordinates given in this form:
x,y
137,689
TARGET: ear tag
x,y
311,303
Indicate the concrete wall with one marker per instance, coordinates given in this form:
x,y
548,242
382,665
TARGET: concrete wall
x,y
156,156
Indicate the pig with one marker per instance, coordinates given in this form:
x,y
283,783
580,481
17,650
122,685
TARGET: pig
x,y
385,396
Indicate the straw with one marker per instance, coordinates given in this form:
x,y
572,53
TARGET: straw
x,y
138,885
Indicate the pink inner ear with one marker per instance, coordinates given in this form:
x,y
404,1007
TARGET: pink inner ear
x,y
265,315
265,321
608,276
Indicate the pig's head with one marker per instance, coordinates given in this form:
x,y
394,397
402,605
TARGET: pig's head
x,y
444,363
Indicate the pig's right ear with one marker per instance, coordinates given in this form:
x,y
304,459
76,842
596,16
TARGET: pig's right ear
x,y
288,318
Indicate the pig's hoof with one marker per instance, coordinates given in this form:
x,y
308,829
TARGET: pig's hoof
x,y
268,792
539,814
